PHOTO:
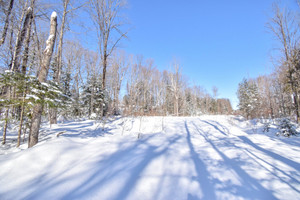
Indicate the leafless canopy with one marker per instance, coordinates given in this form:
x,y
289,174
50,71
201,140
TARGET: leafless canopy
x,y
106,15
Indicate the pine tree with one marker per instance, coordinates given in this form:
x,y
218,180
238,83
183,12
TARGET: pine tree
x,y
248,98
286,128
28,93
93,97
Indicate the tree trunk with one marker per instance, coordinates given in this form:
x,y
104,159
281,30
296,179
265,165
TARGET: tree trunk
x,y
5,126
11,3
295,98
60,44
21,119
38,108
53,111
53,116
38,47
104,71
20,39
6,116
24,68
103,82
27,42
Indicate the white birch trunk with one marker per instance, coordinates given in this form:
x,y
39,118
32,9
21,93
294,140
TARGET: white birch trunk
x,y
38,108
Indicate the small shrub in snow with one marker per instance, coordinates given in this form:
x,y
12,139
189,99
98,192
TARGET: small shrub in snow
x,y
93,116
286,128
267,126
61,118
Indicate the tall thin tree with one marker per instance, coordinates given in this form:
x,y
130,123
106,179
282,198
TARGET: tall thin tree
x,y
38,108
56,78
5,28
106,15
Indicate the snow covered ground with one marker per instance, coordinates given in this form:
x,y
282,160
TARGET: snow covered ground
x,y
208,157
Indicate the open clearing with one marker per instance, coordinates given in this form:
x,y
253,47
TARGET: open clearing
x,y
208,157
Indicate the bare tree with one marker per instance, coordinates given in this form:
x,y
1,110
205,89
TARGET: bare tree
x,y
281,25
28,39
24,68
106,15
176,83
214,100
116,75
286,31
132,92
67,9
20,39
47,54
8,12
53,111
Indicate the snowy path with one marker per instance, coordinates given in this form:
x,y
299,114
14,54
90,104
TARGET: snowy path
x,y
192,158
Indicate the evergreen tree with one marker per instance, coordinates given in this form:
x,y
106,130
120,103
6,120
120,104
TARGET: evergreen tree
x,y
93,97
286,128
248,98
28,92
67,99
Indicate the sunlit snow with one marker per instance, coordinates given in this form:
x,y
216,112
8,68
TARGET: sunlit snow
x,y
208,157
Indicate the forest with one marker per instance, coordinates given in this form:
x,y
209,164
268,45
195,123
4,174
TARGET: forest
x,y
47,75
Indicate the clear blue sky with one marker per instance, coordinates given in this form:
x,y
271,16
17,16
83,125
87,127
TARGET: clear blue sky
x,y
217,42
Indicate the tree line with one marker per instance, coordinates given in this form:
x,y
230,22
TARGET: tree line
x,y
46,74
276,95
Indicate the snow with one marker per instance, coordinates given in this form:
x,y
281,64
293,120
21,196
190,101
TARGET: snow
x,y
49,100
55,91
37,91
43,83
207,157
54,15
51,36
32,96
93,116
47,49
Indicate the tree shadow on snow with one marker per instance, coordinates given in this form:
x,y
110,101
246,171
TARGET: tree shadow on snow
x,y
230,142
271,134
116,165
285,160
200,167
249,187
216,127
113,167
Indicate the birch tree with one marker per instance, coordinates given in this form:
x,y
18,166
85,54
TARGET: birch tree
x,y
116,75
58,61
38,108
176,83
